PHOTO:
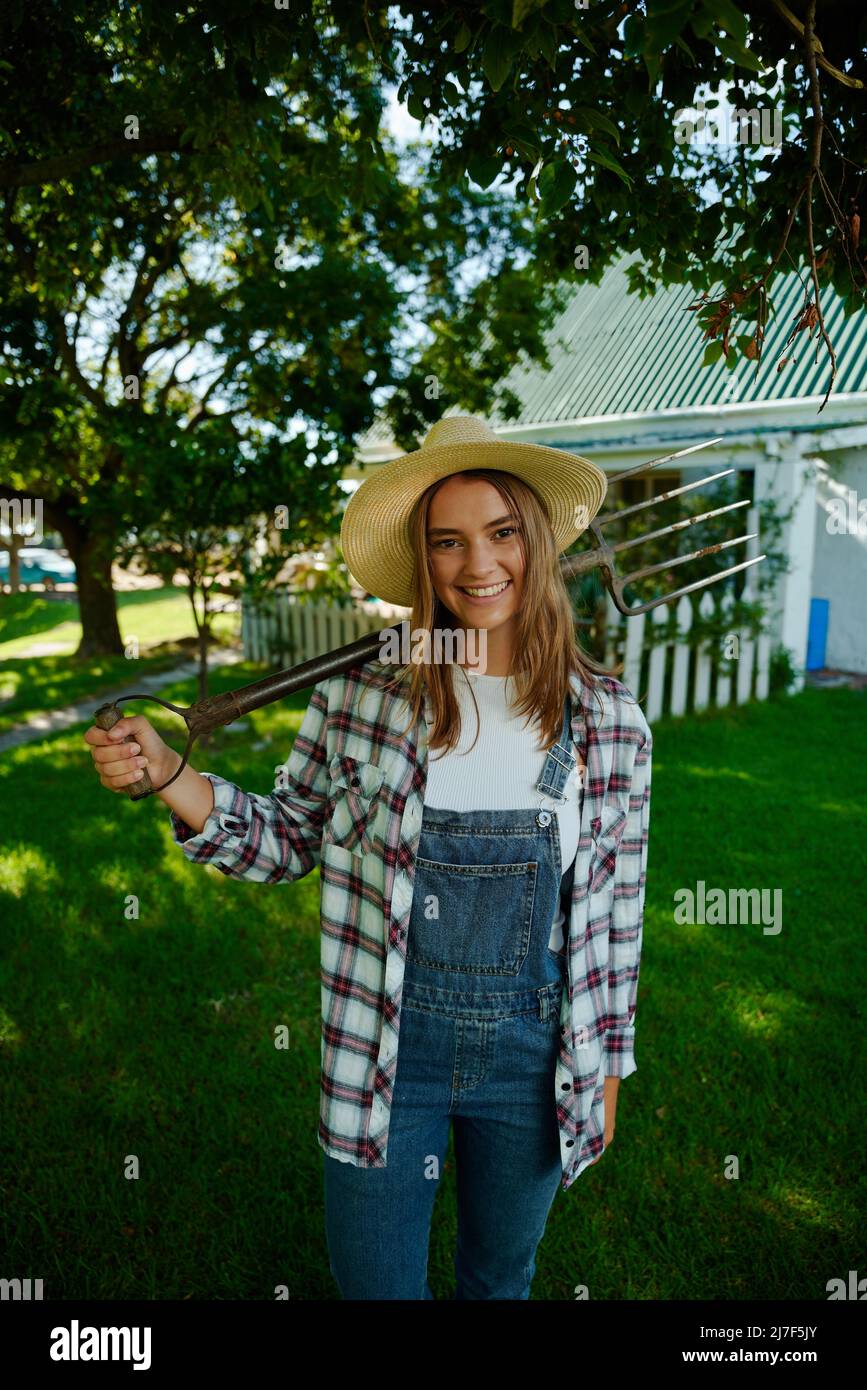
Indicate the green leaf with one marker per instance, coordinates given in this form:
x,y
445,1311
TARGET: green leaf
x,y
652,62
744,341
702,24
742,56
272,143
497,57
451,94
462,38
609,162
596,120
523,135
415,106
500,11
556,185
727,14
662,29
484,168
732,357
633,34
712,353
247,195
521,8
548,44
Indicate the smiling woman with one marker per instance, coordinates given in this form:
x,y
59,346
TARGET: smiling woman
x,y
499,1036
481,909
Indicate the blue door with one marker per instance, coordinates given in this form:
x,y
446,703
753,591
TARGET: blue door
x,y
817,635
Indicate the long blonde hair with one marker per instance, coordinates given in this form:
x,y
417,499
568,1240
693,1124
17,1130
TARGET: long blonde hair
x,y
545,637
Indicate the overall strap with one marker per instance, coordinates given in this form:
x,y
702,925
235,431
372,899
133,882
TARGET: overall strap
x,y
559,765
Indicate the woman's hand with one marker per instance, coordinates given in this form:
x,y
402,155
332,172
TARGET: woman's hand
x,y
612,1085
118,763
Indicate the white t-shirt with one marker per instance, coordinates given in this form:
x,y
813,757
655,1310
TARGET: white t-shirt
x,y
500,773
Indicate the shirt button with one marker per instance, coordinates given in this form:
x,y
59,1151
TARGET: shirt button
x,y
569,1143
565,1085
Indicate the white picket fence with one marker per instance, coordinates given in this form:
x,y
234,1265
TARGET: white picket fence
x,y
670,675
657,664
292,632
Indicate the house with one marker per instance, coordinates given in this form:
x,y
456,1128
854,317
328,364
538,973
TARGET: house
x,y
626,384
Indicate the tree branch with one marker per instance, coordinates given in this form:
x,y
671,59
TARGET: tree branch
x,y
815,156
55,167
225,375
816,48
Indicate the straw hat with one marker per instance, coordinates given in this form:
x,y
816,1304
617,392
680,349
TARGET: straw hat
x,y
375,533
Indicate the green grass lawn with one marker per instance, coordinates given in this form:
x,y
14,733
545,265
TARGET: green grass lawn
x,y
161,620
151,615
154,1037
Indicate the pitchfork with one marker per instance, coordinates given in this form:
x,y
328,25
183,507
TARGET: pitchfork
x,y
207,715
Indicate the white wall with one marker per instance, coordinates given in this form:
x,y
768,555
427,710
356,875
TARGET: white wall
x,y
788,479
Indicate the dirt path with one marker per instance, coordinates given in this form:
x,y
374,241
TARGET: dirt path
x,y
51,721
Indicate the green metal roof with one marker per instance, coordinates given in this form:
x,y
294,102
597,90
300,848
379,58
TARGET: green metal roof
x,y
620,354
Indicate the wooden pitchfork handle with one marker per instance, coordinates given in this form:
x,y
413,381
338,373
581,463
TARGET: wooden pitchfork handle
x,y
212,713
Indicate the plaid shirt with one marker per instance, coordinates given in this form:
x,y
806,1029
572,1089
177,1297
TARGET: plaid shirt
x,y
350,800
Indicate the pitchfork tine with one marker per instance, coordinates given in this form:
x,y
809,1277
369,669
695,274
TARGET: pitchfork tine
x,y
662,497
678,593
680,525
604,553
666,458
682,559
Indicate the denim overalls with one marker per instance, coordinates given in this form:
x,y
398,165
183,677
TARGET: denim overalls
x,y
478,1045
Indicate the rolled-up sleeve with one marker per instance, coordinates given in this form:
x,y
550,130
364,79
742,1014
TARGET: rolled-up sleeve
x,y
274,837
627,924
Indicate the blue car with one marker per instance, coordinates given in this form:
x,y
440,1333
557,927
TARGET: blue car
x,y
38,565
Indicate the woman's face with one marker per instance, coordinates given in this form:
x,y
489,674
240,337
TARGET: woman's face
x,y
473,544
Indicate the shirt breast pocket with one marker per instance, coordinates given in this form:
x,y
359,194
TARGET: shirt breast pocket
x,y
354,800
607,834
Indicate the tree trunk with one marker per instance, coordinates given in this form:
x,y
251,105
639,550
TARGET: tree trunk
x,y
203,657
92,553
14,546
202,633
97,601
15,567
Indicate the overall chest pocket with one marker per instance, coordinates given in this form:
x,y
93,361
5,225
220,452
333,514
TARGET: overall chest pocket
x,y
471,918
354,798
